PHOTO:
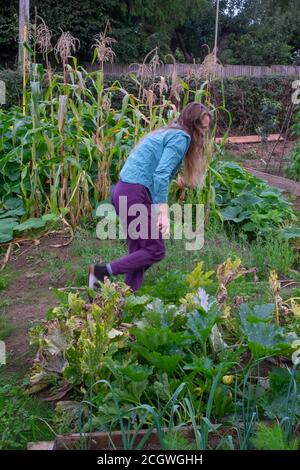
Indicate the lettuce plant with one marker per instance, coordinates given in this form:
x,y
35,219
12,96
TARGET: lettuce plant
x,y
78,339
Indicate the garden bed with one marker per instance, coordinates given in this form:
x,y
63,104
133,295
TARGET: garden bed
x,y
209,346
114,440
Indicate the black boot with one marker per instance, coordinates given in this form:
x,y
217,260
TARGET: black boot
x,y
97,273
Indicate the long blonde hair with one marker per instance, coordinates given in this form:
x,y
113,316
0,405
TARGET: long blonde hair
x,y
191,121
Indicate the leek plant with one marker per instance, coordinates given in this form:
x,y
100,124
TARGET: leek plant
x,y
246,415
135,419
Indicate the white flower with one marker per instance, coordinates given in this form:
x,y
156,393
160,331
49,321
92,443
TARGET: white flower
x,y
114,333
204,299
296,354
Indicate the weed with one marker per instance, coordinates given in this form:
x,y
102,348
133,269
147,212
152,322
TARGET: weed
x,y
22,419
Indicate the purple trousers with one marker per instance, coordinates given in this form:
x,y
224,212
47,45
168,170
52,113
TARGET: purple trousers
x,y
142,251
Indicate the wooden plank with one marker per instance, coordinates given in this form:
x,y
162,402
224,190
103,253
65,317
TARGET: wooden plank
x,y
248,139
42,445
286,185
105,440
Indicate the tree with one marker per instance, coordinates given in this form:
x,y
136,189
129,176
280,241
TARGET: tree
x,y
250,31
8,32
270,32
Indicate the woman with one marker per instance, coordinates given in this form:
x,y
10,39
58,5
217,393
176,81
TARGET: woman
x,y
145,178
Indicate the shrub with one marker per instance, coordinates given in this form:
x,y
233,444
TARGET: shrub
x,y
243,97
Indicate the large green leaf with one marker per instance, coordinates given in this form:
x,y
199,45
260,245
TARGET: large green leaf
x,y
12,213
136,372
289,233
201,323
260,313
13,203
230,212
203,365
264,338
160,339
31,224
132,392
50,217
163,362
274,402
6,229
247,199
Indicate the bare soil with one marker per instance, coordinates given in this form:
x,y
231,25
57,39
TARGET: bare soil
x,y
29,297
257,155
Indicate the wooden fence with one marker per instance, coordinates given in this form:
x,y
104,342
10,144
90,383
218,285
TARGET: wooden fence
x,y
222,71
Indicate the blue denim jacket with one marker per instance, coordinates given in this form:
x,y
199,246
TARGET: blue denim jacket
x,y
155,161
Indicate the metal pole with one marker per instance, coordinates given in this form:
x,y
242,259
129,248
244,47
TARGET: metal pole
x,y
216,36
23,26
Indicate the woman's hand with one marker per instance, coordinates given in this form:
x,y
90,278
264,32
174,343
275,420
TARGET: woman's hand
x,y
180,181
163,221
